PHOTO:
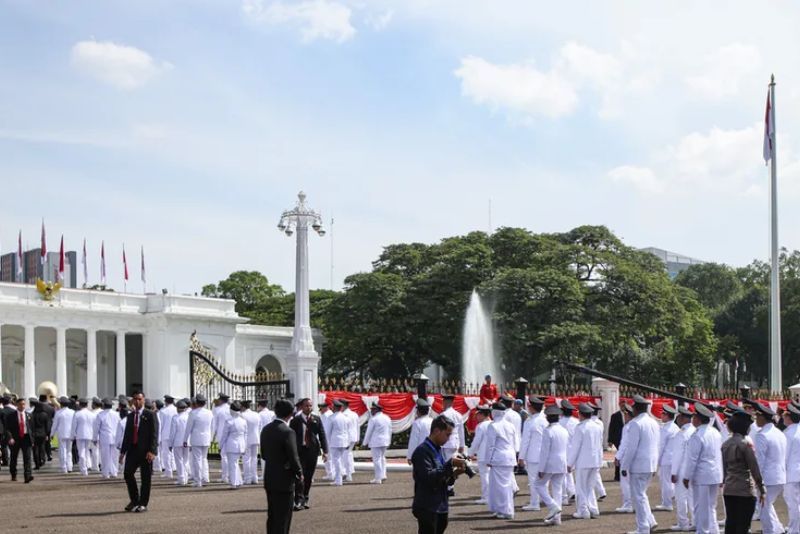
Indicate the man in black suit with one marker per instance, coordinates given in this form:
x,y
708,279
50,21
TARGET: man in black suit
x,y
7,410
42,423
51,411
139,449
310,442
615,432
19,437
282,468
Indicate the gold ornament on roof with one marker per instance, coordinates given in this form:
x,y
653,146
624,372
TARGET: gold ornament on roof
x,y
47,289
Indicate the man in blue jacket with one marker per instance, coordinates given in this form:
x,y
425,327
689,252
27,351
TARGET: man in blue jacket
x,y
432,475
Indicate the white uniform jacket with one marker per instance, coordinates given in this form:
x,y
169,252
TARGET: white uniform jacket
x,y
586,446
340,431
198,428
420,429
792,453
233,439
178,429
667,433
678,445
265,417
515,419
62,424
641,453
83,424
379,431
771,455
456,440
531,442
165,424
702,464
105,427
253,427
553,454
354,425
478,447
500,440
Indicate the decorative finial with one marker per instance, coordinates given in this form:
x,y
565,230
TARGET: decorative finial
x,y
772,79
302,196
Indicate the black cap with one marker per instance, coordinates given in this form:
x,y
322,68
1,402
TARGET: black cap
x,y
628,408
683,410
159,403
322,405
536,401
566,405
63,400
703,410
594,406
766,411
107,403
448,396
169,398
640,401
732,406
123,402
793,409
181,405
345,402
484,409
738,412
83,402
223,396
669,409
499,406
585,409
376,406
423,403
236,406
337,403
552,410
506,398
200,398
246,403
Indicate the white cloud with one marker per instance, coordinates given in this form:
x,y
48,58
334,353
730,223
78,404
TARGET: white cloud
x,y
379,21
642,179
121,66
518,88
725,71
316,19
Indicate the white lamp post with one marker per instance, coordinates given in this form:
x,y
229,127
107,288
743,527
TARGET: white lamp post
x,y
303,361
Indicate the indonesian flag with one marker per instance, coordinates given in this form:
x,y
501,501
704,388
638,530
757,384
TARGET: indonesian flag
x,y
85,264
61,261
19,258
125,263
103,262
44,244
769,131
144,278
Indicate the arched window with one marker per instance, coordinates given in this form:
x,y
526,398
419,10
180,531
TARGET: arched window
x,y
269,364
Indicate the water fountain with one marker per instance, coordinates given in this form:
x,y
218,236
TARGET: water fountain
x,y
478,357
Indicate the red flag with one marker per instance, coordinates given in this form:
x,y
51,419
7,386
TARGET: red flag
x,y
103,262
19,258
125,263
61,261
769,131
44,244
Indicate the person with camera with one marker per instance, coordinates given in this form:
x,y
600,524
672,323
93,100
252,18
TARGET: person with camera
x,y
432,476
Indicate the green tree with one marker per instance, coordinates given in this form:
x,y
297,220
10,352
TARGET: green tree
x,y
715,285
250,289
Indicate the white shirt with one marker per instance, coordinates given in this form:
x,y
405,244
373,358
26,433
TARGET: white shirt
x,y
678,446
532,438
478,447
666,434
792,453
641,454
265,417
233,439
178,429
569,423
198,428
326,422
379,431
62,424
515,419
702,464
420,429
220,414
500,439
553,454
253,427
456,440
586,446
165,416
771,455
340,431
105,427
353,428
83,424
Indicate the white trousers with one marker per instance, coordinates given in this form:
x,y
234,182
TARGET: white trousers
x,y
108,459
180,456
705,508
770,524
94,456
379,462
234,473
684,505
501,489
167,458
791,495
349,462
533,474
250,462
65,454
338,458
223,460
586,500
599,488
556,481
667,487
483,472
625,489
199,465
641,504
569,487
83,455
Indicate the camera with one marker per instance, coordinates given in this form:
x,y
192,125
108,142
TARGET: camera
x,y
467,466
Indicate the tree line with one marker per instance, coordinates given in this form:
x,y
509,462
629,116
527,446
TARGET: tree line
x,y
581,296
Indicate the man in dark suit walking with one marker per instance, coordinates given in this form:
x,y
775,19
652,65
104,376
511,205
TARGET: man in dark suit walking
x,y
311,441
615,432
139,449
42,424
44,402
7,409
19,437
282,468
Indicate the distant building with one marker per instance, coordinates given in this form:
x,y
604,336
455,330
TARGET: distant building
x,y
674,262
32,267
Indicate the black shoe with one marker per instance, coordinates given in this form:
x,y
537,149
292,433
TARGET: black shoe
x,y
306,506
28,480
13,478
140,509
297,507
131,506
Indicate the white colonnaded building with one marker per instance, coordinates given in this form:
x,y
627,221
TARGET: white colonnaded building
x,y
103,343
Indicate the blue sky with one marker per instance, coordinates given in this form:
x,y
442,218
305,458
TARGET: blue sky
x,y
187,127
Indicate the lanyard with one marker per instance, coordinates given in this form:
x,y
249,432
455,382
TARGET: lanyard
x,y
438,453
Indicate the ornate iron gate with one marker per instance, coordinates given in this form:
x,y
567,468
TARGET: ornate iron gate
x,y
210,378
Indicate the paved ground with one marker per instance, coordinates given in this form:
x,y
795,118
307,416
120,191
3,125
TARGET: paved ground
x,y
75,504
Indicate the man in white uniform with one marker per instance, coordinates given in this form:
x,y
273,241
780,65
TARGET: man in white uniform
x,y
513,417
420,428
599,488
197,436
339,441
165,430
354,432
569,422
552,465
325,415
501,459
180,453
253,439
456,441
94,456
478,450
221,413
378,437
105,428
791,491
669,429
530,447
624,481
233,442
62,428
771,457
265,417
684,502
584,457
702,469
640,462
83,429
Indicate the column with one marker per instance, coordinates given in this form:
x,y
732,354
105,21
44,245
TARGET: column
x,y
61,360
91,363
120,382
608,392
301,338
1,354
29,369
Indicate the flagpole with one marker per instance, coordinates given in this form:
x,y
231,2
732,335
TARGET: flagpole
x,y
775,379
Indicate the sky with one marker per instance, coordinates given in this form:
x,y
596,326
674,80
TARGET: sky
x,y
187,127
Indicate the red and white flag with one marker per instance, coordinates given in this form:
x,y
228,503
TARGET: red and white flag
x,y
44,244
769,131
144,277
103,262
85,265
125,263
61,261
19,258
